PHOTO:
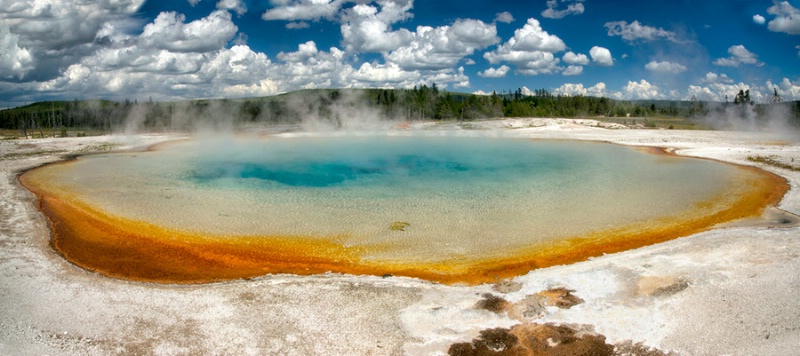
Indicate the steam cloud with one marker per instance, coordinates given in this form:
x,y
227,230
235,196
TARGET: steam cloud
x,y
318,110
745,117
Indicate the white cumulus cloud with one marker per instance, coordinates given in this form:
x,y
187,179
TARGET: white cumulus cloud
x,y
635,31
759,19
601,56
712,78
443,47
294,10
237,6
572,58
504,17
304,51
577,89
385,73
573,70
39,39
309,68
15,61
787,89
366,28
665,67
739,55
722,91
531,50
640,90
168,31
58,24
528,63
574,7
495,72
171,58
392,75
297,25
532,37
468,33
787,18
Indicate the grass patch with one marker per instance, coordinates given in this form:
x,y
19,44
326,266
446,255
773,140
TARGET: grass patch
x,y
106,146
470,126
63,132
100,147
9,134
772,161
677,123
21,155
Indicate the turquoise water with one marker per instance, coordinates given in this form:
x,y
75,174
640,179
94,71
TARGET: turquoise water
x,y
459,195
387,162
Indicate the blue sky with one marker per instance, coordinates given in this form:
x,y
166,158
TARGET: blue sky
x,y
188,49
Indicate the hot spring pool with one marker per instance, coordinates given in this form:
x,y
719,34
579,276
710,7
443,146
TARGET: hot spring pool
x,y
450,209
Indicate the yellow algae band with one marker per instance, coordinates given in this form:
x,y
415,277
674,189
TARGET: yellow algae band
x,y
117,240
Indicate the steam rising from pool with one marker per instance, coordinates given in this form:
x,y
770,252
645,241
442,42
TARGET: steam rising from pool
x,y
405,202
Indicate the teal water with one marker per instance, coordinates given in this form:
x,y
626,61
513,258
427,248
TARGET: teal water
x,y
386,161
459,195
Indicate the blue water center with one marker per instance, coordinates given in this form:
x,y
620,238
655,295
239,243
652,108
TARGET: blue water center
x,y
331,162
311,173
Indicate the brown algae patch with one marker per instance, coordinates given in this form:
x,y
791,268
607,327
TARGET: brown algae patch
x,y
549,339
536,339
132,249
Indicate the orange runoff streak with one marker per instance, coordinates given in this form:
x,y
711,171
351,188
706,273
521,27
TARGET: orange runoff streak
x,y
140,251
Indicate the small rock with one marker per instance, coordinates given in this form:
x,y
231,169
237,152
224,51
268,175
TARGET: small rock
x,y
507,286
531,307
561,297
655,286
399,226
492,303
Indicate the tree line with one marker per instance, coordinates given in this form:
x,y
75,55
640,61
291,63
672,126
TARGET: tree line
x,y
419,103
